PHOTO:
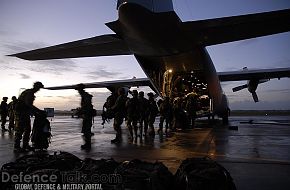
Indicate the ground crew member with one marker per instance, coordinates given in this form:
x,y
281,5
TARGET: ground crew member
x,y
153,111
132,107
11,113
119,110
23,110
4,112
144,111
87,115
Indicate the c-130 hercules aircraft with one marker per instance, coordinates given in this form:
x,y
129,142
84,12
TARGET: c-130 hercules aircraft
x,y
172,53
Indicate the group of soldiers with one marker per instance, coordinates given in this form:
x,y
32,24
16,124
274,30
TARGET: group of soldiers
x,y
135,110
19,112
8,110
138,112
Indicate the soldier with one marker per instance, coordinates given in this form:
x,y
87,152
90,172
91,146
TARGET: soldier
x,y
119,114
191,107
11,113
4,112
110,101
132,107
23,109
165,110
153,111
87,115
144,111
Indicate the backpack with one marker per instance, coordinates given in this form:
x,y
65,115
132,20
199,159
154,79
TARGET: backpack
x,y
203,174
41,132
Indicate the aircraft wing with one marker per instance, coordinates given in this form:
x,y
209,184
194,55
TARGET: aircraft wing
x,y
254,74
108,84
104,45
228,29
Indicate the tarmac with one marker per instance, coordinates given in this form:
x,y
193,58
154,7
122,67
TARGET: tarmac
x,y
254,149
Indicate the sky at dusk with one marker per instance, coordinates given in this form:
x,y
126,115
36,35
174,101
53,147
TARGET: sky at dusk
x,y
31,24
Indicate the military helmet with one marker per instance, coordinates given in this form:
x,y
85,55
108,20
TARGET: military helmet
x,y
121,90
38,85
141,94
80,86
150,94
135,93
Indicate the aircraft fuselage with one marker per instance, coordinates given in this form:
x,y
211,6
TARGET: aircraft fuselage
x,y
166,55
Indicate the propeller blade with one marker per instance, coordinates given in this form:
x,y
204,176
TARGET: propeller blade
x,y
238,88
255,96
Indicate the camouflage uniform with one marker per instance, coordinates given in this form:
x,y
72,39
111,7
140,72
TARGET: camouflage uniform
x,y
119,114
4,113
132,107
87,116
23,110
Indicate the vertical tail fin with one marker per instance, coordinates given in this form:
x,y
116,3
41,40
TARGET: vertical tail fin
x,y
152,5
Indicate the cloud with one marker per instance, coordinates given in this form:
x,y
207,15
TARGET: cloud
x,y
24,76
57,67
16,47
102,72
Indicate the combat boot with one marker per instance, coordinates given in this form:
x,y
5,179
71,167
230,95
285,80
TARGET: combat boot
x,y
86,146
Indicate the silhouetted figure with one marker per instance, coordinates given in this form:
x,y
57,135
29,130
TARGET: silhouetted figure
x,y
165,110
24,108
107,114
87,114
179,115
191,108
40,136
119,110
11,113
153,111
132,107
4,112
144,113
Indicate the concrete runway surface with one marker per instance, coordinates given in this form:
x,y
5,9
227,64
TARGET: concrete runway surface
x,y
257,154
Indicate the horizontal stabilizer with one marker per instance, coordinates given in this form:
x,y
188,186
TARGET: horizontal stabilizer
x,y
105,45
238,88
